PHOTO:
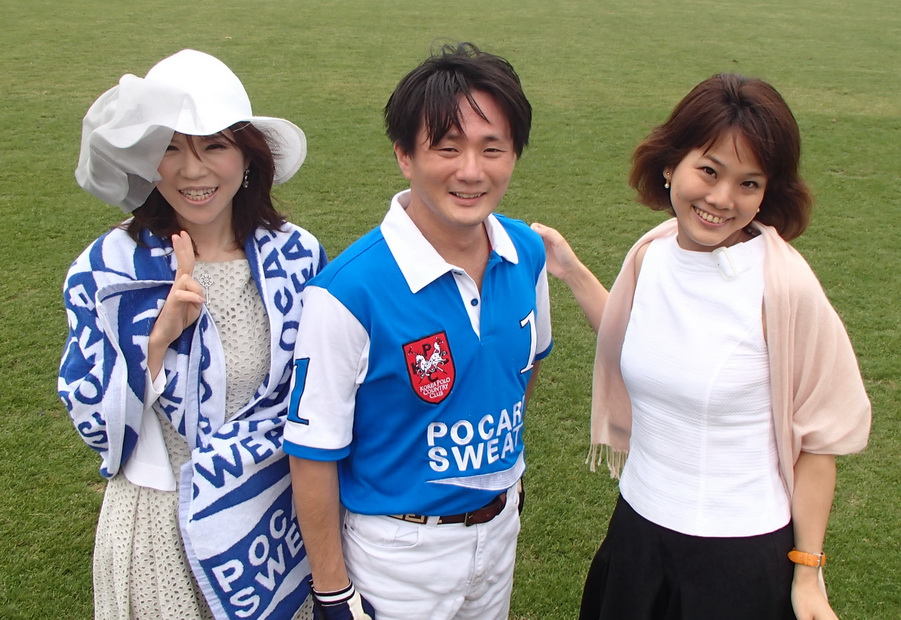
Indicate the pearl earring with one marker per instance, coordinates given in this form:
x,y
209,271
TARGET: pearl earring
x,y
666,183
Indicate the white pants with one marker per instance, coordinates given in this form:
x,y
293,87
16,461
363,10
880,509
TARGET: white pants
x,y
434,572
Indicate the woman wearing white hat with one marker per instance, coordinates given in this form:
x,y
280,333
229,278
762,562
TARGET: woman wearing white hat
x,y
182,323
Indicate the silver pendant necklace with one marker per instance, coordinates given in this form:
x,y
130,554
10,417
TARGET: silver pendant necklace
x,y
206,281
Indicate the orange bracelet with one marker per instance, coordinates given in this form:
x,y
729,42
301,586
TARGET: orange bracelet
x,y
807,559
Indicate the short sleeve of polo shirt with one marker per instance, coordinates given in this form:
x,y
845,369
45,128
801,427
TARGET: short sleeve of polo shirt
x,y
330,362
543,307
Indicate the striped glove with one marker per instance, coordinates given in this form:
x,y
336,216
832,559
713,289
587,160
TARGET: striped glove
x,y
346,604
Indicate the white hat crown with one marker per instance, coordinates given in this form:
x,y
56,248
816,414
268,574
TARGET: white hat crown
x,y
216,99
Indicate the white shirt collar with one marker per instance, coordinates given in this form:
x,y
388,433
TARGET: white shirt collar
x,y
418,260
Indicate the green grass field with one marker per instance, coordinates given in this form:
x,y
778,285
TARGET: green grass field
x,y
599,75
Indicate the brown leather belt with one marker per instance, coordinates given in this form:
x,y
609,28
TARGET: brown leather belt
x,y
483,515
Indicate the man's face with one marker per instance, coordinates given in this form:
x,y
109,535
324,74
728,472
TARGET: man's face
x,y
458,181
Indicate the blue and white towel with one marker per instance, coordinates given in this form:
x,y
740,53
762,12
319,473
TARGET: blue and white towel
x,y
235,506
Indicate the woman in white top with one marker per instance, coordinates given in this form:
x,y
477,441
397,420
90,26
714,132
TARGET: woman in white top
x,y
181,336
721,370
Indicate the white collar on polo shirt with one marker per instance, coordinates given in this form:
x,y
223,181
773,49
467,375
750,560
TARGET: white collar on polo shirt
x,y
418,260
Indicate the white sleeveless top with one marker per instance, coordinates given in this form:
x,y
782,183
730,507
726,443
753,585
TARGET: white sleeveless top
x,y
702,458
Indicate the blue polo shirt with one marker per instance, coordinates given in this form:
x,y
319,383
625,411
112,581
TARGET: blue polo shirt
x,y
413,379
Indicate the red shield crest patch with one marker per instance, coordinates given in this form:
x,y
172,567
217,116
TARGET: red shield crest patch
x,y
430,366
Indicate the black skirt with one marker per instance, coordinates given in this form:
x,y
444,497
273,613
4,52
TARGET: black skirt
x,y
643,571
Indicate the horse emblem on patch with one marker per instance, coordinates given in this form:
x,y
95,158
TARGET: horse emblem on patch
x,y
430,366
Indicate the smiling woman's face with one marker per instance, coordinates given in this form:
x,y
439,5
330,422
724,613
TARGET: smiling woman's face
x,y
201,187
715,193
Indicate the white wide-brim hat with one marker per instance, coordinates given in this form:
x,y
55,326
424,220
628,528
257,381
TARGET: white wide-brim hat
x,y
126,132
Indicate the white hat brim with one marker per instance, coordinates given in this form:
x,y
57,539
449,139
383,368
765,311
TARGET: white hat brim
x,y
288,143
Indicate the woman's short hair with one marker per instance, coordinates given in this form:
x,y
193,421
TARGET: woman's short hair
x,y
429,96
758,113
252,206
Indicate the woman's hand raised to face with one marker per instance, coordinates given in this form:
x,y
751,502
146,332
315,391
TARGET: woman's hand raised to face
x,y
186,297
182,306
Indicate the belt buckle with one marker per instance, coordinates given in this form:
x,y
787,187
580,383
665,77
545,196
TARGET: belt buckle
x,y
411,518
468,517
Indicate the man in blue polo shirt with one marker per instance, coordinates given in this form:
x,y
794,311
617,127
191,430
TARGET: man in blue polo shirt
x,y
416,353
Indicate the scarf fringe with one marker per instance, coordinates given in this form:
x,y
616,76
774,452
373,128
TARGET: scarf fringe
x,y
598,453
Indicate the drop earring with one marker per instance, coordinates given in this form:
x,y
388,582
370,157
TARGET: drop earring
x,y
666,183
246,182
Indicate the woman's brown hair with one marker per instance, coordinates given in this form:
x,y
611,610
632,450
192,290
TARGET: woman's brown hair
x,y
758,113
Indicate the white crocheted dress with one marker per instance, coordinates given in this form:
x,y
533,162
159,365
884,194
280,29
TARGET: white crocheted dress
x,y
140,566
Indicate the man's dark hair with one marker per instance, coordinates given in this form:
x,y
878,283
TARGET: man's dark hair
x,y
429,96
